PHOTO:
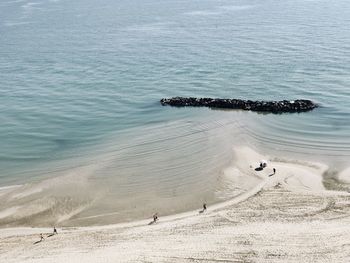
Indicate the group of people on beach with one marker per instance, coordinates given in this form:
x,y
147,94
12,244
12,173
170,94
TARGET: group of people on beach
x,y
263,165
42,236
155,216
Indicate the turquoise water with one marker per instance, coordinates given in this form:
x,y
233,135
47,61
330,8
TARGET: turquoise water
x,y
80,83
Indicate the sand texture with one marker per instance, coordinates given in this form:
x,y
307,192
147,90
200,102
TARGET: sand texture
x,y
286,217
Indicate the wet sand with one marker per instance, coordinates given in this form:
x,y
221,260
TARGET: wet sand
x,y
286,217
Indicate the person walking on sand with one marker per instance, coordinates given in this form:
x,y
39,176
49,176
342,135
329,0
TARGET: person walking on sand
x,y
204,207
155,217
55,231
41,237
274,170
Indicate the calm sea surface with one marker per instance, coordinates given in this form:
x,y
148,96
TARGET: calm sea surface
x,y
80,83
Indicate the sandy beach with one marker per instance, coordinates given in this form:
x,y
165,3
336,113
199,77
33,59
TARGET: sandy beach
x,y
286,217
140,129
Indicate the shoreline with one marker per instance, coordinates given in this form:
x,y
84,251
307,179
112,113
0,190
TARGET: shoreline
x,y
94,202
263,176
290,204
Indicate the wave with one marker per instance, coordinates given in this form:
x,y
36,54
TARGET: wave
x,y
21,23
236,7
219,10
203,13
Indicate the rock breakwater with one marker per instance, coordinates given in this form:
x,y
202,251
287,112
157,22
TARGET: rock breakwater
x,y
282,106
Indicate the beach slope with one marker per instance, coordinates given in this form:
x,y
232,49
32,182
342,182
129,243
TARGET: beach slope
x,y
288,217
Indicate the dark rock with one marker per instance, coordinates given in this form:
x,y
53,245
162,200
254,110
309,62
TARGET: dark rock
x,y
260,106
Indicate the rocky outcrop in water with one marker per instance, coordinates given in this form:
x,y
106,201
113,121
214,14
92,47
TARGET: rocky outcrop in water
x,y
283,106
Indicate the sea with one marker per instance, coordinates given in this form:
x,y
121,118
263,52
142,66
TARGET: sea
x,y
80,84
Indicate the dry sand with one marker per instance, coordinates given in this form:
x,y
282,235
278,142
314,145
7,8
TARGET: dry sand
x,y
286,217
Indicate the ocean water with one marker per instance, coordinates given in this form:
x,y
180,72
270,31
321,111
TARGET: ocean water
x,y
80,83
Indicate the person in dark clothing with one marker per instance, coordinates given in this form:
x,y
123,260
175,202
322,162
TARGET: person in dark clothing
x,y
155,217
204,208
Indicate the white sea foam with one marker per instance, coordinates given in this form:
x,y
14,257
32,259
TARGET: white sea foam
x,y
3,188
11,24
14,2
31,7
203,13
236,7
219,10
